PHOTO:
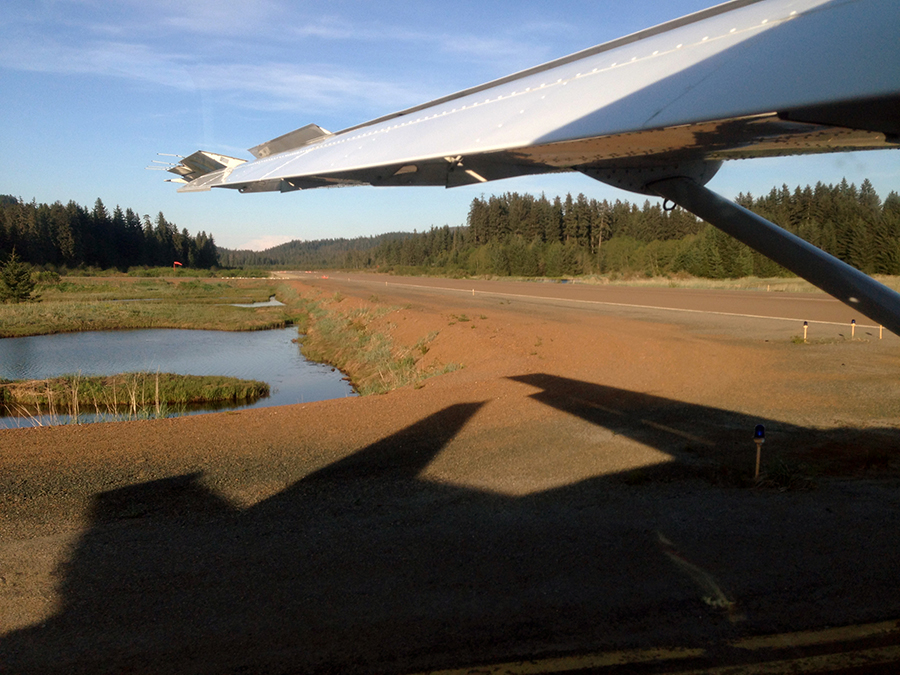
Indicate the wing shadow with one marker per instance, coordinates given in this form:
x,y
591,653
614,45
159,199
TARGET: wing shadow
x,y
363,565
709,442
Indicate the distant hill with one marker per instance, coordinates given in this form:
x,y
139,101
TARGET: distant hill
x,y
321,253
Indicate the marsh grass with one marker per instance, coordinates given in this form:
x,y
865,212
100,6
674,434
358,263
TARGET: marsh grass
x,y
121,304
48,318
127,395
351,343
200,290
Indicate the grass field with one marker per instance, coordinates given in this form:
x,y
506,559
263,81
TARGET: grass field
x,y
768,284
81,304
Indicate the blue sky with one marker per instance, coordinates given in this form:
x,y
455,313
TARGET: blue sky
x,y
93,89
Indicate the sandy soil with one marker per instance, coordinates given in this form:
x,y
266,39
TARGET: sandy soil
x,y
557,494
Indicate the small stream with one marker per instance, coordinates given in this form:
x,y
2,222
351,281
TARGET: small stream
x,y
268,355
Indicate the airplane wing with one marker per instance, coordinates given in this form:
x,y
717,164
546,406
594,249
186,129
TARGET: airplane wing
x,y
656,112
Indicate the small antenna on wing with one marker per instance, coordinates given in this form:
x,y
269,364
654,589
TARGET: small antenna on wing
x,y
165,165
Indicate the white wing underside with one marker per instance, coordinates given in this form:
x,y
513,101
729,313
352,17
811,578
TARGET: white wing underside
x,y
748,78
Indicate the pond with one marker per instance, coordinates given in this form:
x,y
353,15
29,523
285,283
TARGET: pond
x,y
269,355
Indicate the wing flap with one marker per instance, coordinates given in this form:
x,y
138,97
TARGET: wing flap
x,y
289,141
203,163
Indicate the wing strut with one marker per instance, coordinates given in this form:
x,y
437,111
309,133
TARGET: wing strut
x,y
835,277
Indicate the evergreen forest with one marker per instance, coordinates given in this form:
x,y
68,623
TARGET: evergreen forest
x,y
70,236
522,235
510,234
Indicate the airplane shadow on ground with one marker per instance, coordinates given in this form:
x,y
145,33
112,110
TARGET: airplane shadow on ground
x,y
366,566
717,444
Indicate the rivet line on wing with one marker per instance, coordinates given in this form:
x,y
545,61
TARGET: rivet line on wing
x,y
563,81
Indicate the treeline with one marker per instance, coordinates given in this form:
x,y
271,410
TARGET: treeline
x,y
72,236
506,235
523,235
848,222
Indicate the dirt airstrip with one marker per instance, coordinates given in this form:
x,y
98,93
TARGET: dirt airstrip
x,y
584,482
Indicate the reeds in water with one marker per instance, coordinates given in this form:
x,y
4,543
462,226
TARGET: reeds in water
x,y
125,396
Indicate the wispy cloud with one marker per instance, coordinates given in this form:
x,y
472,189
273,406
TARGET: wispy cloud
x,y
281,86
241,57
100,58
140,19
260,86
214,17
492,47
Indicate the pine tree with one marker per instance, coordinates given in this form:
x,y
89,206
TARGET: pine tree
x,y
16,280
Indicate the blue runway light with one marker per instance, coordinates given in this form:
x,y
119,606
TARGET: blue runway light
x,y
759,437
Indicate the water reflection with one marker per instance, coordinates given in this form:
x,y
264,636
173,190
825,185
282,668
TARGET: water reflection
x,y
268,355
271,302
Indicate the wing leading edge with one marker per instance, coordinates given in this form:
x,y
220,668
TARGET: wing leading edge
x,y
748,78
